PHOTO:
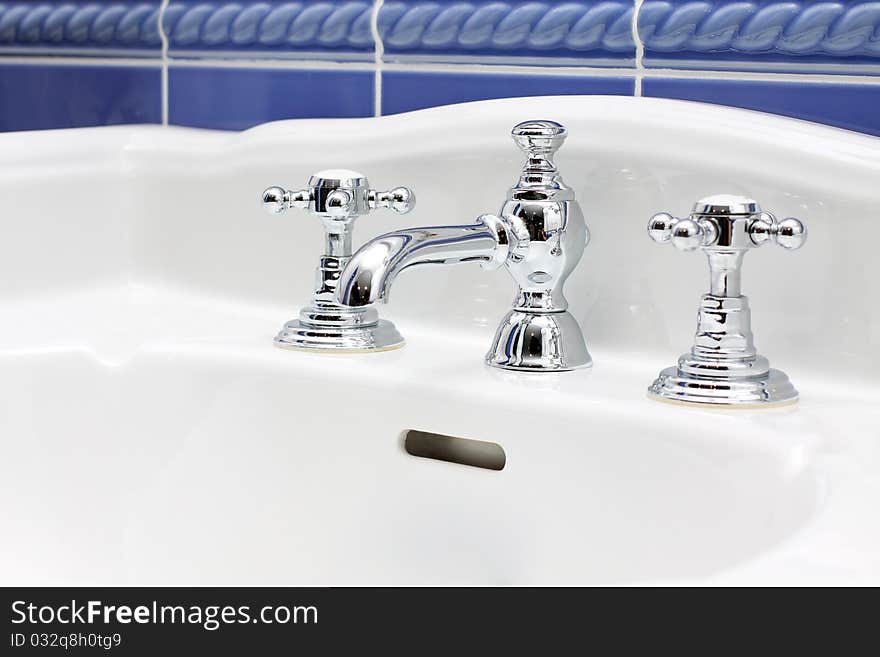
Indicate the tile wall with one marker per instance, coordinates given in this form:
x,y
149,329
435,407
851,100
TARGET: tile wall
x,y
232,65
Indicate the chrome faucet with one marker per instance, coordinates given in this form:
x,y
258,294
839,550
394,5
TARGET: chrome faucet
x,y
539,235
337,197
723,367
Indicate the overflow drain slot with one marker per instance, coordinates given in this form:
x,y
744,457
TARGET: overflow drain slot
x,y
464,451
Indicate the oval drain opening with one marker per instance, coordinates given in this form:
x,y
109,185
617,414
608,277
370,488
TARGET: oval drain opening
x,y
464,451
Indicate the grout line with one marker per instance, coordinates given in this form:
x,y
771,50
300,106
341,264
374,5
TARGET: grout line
x,y
164,38
83,60
259,63
699,74
464,68
269,56
694,72
379,53
759,76
520,69
640,48
662,68
734,66
102,53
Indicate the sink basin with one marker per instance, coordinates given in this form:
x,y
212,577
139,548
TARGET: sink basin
x,y
151,433
184,459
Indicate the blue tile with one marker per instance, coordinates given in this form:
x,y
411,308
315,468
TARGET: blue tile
x,y
844,105
36,97
767,32
511,31
330,29
238,98
74,27
405,91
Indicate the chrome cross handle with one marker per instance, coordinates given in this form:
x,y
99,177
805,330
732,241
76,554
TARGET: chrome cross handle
x,y
400,199
683,234
277,199
790,233
726,222
726,227
338,197
723,366
338,194
338,203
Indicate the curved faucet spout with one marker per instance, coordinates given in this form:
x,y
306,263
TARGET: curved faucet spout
x,y
368,276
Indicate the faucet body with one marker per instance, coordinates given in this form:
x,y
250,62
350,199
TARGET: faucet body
x,y
539,236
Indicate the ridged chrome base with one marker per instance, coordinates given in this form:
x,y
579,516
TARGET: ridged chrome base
x,y
327,328
766,390
381,337
539,342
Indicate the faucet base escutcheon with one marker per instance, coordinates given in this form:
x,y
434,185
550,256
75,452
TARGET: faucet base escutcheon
x,y
339,330
381,337
770,389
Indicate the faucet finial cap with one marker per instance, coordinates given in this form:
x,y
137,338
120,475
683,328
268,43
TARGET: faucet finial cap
x,y
539,139
726,204
539,136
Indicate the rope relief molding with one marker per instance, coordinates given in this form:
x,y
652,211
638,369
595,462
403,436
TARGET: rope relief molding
x,y
829,29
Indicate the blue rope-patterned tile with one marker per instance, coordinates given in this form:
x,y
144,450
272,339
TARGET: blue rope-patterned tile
x,y
308,29
79,27
842,37
485,31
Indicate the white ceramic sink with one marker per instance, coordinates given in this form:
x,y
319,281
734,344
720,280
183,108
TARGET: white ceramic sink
x,y
151,433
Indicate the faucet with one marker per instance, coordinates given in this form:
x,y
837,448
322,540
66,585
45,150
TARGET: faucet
x,y
337,197
723,367
539,236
